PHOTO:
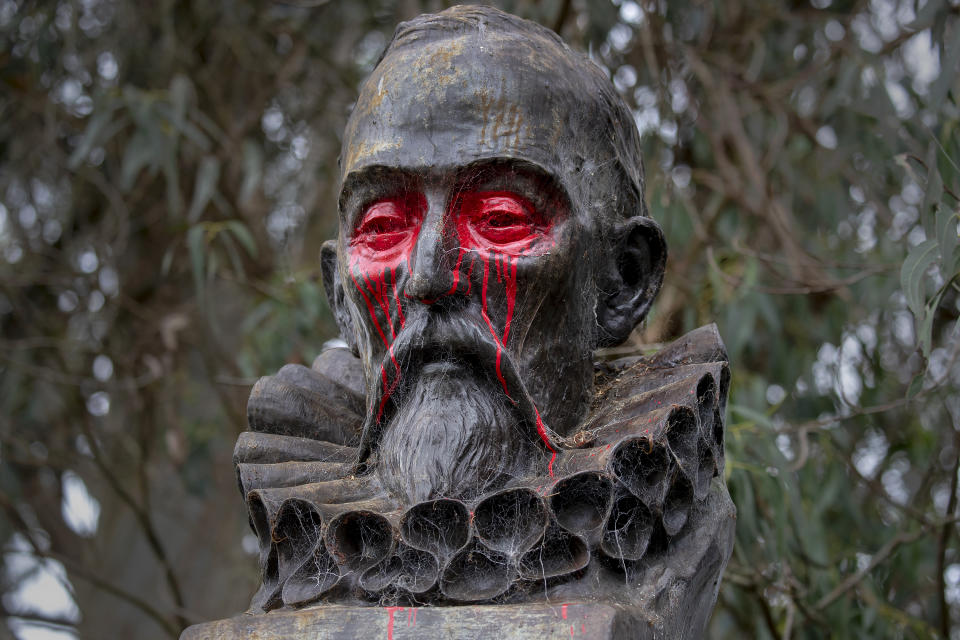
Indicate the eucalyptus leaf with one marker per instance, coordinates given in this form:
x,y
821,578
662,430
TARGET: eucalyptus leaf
x,y
172,182
181,93
949,68
925,323
233,255
928,14
139,153
252,169
915,266
196,244
933,192
946,224
91,136
243,235
752,415
205,185
916,385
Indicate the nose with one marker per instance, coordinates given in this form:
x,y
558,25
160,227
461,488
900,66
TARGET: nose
x,y
431,273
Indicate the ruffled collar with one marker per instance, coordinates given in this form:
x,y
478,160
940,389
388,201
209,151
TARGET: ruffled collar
x,y
632,500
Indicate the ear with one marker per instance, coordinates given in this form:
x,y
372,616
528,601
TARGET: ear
x,y
335,296
634,275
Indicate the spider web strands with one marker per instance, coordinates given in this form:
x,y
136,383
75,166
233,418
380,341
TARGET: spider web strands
x,y
640,477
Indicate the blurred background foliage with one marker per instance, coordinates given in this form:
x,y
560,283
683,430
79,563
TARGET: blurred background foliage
x,y
167,174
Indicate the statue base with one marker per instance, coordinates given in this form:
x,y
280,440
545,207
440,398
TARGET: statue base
x,y
505,622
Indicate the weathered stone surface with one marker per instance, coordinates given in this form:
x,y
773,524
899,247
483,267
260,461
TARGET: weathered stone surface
x,y
508,622
664,596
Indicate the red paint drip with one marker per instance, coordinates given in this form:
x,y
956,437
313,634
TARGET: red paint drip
x,y
396,298
390,612
456,273
542,432
563,611
381,298
388,391
373,314
511,291
378,293
493,332
470,277
541,429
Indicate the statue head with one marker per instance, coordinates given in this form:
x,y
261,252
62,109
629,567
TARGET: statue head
x,y
493,234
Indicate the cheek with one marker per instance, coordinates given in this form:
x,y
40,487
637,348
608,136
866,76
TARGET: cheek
x,y
517,242
371,282
369,261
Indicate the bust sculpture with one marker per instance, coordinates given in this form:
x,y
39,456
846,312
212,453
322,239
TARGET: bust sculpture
x,y
460,445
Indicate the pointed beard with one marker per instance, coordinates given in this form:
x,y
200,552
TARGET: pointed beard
x,y
452,436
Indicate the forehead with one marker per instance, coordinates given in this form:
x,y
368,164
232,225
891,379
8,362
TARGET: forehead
x,y
474,96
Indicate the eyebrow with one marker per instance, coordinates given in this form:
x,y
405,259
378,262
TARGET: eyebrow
x,y
540,185
525,168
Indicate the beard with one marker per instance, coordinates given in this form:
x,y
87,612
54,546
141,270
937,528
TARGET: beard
x,y
455,435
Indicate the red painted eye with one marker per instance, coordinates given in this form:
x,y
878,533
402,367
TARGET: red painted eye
x,y
500,220
389,224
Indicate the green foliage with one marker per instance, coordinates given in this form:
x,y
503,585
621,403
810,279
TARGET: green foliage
x,y
811,161
167,174
936,256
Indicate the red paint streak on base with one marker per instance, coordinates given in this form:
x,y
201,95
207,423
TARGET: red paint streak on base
x,y
563,611
390,612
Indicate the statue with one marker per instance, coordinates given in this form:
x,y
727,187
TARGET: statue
x,y
460,445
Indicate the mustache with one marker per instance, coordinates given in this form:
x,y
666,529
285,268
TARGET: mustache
x,y
433,335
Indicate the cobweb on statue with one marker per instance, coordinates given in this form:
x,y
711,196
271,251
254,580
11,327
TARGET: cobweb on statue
x,y
629,486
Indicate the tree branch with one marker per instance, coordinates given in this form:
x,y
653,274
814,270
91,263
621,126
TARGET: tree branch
x,y
885,551
143,518
82,572
942,541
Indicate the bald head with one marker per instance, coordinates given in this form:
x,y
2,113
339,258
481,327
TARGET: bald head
x,y
474,83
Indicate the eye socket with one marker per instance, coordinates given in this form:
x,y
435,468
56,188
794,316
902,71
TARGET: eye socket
x,y
389,222
502,219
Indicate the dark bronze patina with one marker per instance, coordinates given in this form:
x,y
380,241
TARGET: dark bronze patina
x,y
460,445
